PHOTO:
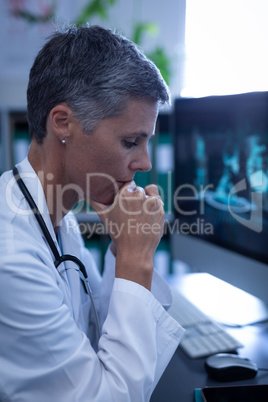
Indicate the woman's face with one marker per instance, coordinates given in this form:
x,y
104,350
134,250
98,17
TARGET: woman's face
x,y
102,162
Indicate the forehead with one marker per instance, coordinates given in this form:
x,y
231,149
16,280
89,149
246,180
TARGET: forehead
x,y
141,107
138,117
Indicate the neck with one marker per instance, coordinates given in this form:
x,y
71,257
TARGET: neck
x,y
50,170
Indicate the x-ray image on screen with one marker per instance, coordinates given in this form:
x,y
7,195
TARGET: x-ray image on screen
x,y
221,170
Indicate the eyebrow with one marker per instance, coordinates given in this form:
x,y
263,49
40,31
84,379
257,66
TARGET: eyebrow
x,y
144,135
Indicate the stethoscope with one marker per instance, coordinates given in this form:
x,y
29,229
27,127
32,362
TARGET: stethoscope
x,y
58,258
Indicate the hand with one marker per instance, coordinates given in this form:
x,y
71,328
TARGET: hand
x,y
135,222
113,248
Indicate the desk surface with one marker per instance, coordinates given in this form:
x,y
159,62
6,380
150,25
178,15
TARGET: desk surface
x,y
183,375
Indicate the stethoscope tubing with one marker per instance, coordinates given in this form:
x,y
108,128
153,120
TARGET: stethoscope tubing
x,y
58,258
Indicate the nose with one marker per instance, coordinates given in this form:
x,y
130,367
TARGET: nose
x,y
142,163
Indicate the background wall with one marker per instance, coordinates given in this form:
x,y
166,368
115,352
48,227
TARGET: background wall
x,y
20,39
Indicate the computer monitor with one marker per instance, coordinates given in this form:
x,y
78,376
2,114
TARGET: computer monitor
x,y
221,188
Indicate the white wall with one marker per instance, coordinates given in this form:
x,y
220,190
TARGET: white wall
x,y
20,41
227,47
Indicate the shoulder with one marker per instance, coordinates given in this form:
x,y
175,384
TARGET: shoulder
x,y
21,239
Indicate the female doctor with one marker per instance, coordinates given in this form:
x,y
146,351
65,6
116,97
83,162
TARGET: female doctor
x,y
68,334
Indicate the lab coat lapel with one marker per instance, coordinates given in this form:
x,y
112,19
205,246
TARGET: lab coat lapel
x,y
35,188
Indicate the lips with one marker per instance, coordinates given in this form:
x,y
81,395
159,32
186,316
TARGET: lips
x,y
122,183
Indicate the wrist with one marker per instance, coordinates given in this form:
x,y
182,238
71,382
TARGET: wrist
x,y
136,269
113,248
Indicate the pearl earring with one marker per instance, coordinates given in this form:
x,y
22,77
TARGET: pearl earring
x,y
63,141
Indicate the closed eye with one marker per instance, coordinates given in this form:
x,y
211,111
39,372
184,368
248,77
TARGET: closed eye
x,y
129,144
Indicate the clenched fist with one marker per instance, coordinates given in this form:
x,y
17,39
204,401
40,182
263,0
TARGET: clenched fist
x,y
135,222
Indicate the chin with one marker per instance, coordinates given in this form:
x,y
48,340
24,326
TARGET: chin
x,y
105,199
109,201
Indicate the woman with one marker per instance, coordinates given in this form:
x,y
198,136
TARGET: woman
x,y
93,100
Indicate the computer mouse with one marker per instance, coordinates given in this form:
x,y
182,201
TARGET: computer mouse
x,y
230,367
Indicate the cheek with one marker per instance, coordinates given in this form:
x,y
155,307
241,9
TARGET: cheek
x,y
116,165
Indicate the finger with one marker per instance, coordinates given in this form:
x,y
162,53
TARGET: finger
x,y
131,189
152,191
153,205
131,185
140,189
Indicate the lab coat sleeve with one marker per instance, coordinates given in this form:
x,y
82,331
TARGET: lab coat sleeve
x,y
160,289
140,327
160,333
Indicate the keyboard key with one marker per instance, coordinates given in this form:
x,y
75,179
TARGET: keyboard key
x,y
203,336
209,327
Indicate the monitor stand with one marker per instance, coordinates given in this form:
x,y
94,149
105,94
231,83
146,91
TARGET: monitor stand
x,y
221,301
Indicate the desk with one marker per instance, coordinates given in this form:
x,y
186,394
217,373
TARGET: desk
x,y
183,375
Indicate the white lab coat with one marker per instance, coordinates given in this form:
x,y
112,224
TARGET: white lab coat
x,y
47,330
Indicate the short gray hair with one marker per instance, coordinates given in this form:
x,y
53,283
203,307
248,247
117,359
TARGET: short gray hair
x,y
95,72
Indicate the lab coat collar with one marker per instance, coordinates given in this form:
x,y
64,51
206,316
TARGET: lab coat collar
x,y
35,188
68,225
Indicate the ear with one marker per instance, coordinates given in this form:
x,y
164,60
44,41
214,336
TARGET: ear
x,y
59,120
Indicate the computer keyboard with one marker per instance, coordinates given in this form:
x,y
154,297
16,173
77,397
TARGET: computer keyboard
x,y
203,336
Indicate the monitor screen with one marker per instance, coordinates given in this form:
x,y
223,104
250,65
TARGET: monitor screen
x,y
221,171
